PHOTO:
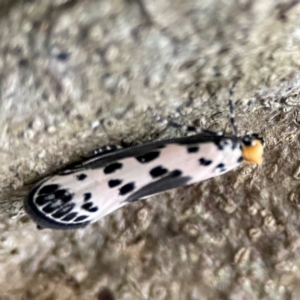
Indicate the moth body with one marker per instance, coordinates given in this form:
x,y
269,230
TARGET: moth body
x,y
88,190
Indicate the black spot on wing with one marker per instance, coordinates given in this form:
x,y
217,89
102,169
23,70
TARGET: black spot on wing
x,y
127,188
112,168
175,173
158,171
114,182
93,209
48,189
170,181
87,196
80,218
81,176
58,214
41,200
70,216
205,162
192,149
221,167
222,143
49,208
240,159
89,207
63,195
145,158
63,211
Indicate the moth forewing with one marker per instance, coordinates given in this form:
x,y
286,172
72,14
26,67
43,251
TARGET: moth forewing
x,y
92,188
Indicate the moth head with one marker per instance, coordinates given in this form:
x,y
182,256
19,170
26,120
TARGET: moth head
x,y
253,148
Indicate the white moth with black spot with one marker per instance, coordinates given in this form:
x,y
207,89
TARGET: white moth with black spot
x,y
93,188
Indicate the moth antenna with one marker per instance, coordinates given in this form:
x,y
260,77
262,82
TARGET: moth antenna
x,y
231,108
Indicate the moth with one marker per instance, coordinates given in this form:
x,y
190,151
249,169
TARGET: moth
x,y
88,190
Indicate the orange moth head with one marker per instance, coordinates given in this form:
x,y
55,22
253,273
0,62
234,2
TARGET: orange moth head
x,y
252,149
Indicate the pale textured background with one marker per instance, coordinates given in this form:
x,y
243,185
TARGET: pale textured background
x,y
79,74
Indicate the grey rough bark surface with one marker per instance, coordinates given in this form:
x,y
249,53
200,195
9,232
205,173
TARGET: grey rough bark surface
x,y
76,75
